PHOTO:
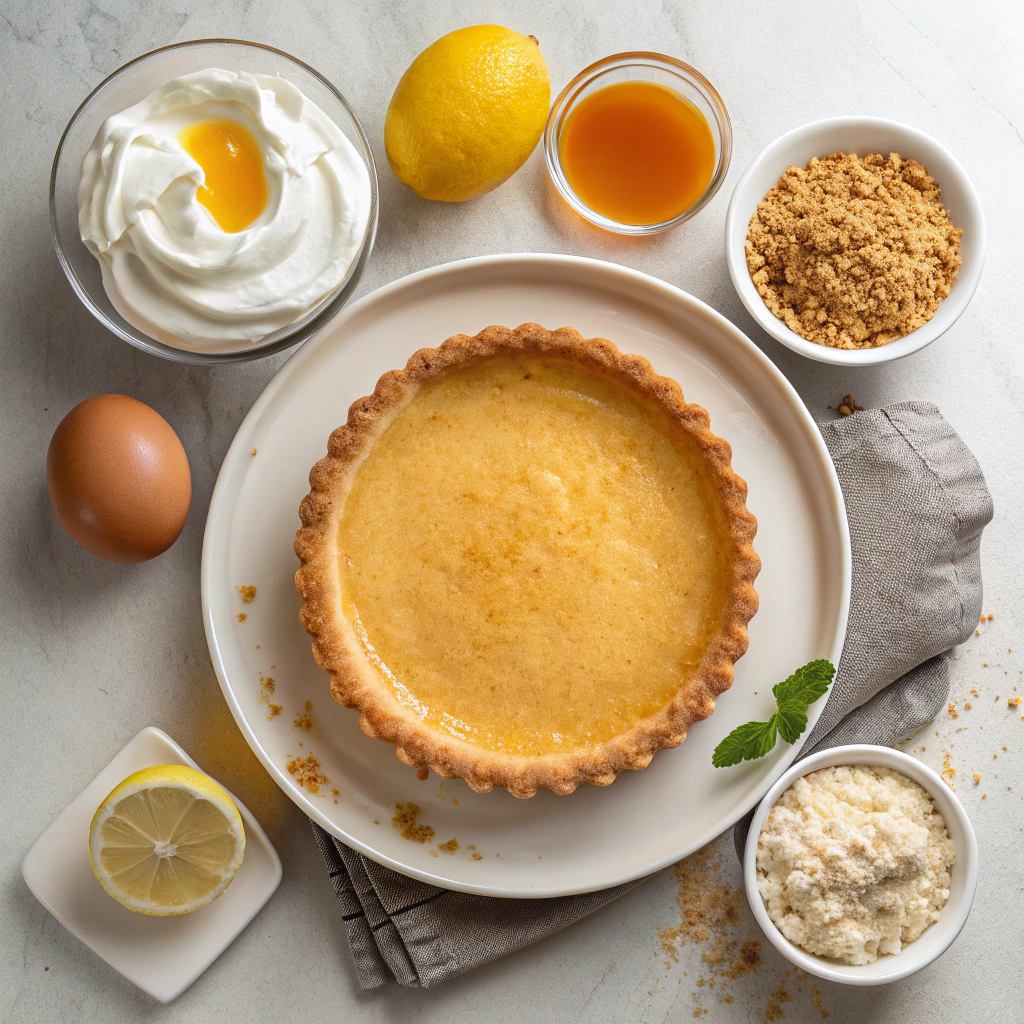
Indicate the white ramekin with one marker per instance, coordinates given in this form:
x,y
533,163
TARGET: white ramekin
x,y
860,135
937,938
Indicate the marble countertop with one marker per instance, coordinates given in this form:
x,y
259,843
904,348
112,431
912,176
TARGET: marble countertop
x,y
92,652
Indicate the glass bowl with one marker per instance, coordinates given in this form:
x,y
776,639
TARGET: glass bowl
x,y
128,86
643,67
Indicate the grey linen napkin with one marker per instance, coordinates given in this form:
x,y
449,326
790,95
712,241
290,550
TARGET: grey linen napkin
x,y
916,502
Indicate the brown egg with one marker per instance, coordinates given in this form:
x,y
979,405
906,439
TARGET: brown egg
x,y
119,479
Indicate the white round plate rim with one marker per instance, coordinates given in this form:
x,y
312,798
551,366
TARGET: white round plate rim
x,y
221,507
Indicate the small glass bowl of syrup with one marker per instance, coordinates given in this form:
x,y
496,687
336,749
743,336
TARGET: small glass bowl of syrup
x,y
638,143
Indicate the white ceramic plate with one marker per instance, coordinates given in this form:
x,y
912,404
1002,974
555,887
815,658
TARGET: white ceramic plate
x,y
162,955
549,845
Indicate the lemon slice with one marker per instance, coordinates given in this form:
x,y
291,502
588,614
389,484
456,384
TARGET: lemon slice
x,y
168,840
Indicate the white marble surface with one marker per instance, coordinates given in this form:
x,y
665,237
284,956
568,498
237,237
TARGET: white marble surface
x,y
92,652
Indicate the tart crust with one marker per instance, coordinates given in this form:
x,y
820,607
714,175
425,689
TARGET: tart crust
x,y
355,683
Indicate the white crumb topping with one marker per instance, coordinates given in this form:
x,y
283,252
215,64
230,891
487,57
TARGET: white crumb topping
x,y
853,862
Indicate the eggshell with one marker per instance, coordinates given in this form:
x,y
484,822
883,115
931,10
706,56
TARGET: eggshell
x,y
118,478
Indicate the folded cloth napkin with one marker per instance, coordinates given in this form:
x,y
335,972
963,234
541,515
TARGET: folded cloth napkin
x,y
916,502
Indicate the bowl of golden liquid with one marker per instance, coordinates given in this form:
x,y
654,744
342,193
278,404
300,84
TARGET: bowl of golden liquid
x,y
638,143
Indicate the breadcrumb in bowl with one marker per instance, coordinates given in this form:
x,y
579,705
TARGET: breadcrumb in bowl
x,y
914,928
863,136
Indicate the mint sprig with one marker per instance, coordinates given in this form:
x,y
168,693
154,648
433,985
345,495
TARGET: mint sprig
x,y
793,696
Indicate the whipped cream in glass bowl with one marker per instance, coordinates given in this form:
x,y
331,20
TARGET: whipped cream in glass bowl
x,y
214,201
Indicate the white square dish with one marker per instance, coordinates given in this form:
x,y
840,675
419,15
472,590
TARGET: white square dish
x,y
161,955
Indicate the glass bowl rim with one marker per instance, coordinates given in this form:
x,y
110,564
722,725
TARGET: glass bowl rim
x,y
636,58
302,329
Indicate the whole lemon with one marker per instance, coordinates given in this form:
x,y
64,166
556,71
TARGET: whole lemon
x,y
467,113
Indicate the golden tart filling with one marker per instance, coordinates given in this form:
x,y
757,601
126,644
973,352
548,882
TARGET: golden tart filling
x,y
519,557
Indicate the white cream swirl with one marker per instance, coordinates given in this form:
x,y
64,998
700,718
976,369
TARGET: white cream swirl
x,y
168,267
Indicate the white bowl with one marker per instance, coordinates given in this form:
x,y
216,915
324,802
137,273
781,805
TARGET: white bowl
x,y
861,135
935,939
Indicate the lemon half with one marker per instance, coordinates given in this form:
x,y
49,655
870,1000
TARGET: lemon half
x,y
467,113
168,840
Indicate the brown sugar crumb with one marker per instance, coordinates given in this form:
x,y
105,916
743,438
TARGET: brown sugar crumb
x,y
1013,702
967,707
713,916
433,853
848,406
304,720
273,710
307,773
405,820
948,771
476,856
853,253
254,452
267,687
241,616
248,594
953,713
450,847
423,773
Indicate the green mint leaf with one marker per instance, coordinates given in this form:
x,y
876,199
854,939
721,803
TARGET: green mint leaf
x,y
793,696
792,719
746,742
806,684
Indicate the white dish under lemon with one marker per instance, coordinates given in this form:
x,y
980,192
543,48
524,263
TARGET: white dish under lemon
x,y
548,845
161,955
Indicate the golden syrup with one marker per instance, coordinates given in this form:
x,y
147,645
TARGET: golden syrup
x,y
637,152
